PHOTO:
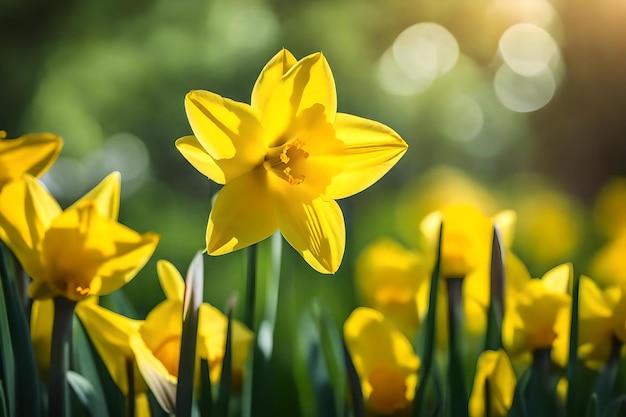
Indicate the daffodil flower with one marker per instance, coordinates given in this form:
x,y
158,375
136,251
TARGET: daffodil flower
x,y
33,154
539,315
466,253
493,370
153,344
75,253
284,159
384,359
389,278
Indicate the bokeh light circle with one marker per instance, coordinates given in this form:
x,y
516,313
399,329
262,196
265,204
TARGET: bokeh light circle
x,y
528,49
425,50
523,94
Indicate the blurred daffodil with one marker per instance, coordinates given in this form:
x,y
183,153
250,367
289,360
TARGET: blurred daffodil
x,y
384,360
608,266
33,154
595,323
550,223
75,253
466,253
389,277
291,153
608,208
494,373
538,316
439,187
153,344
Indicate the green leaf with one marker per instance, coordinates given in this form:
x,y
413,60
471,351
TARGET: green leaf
x,y
330,343
616,407
86,394
7,359
85,366
354,385
592,406
456,370
226,380
205,400
3,401
256,395
574,404
251,275
426,345
606,382
540,393
493,338
193,299
518,407
85,358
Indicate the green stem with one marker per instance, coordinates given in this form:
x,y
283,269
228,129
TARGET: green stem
x,y
60,356
250,287
130,399
456,371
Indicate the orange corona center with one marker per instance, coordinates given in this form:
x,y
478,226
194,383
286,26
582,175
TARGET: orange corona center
x,y
288,161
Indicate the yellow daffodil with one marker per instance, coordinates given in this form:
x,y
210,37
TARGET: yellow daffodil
x,y
388,278
608,266
153,344
384,359
538,316
284,159
494,370
75,253
33,154
550,221
608,208
439,187
595,324
466,253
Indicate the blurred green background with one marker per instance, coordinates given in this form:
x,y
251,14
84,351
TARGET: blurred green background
x,y
493,88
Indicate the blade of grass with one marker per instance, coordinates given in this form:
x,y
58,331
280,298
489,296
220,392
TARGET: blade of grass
x,y
249,306
7,359
493,338
205,401
354,385
574,405
428,340
223,396
84,364
186,365
456,369
330,342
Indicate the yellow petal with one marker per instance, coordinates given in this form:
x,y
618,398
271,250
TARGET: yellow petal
x,y
171,281
41,319
26,210
243,214
212,341
384,359
105,195
87,254
32,154
315,228
270,78
199,158
495,368
559,278
110,334
370,150
307,86
505,222
161,333
226,129
154,373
